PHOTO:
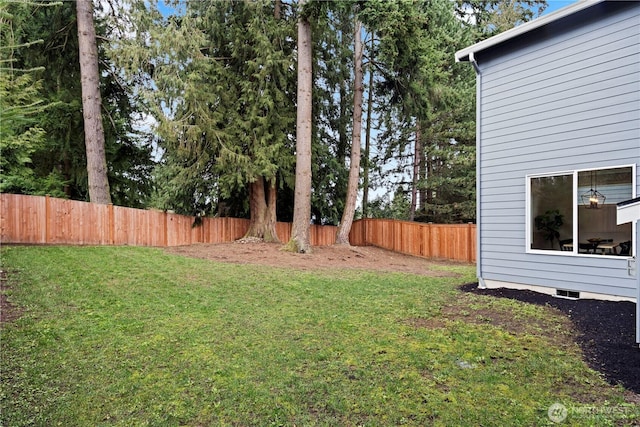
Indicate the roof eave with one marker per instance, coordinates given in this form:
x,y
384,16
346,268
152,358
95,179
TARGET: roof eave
x,y
463,54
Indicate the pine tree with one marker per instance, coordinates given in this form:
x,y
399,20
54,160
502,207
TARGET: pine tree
x,y
58,165
92,105
217,79
300,232
332,37
342,236
20,104
486,18
429,108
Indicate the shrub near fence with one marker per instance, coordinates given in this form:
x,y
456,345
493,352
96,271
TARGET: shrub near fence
x,y
47,220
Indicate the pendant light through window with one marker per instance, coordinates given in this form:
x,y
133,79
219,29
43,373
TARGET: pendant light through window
x,y
593,199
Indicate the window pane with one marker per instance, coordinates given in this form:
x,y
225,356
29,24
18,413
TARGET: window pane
x,y
552,212
597,229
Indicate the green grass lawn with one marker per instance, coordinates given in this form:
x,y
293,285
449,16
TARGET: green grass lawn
x,y
134,336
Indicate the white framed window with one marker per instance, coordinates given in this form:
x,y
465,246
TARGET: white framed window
x,y
574,212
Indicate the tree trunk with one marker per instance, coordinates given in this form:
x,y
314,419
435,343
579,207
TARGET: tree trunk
x,y
422,170
262,199
367,144
342,236
417,157
277,9
262,204
91,105
300,239
430,169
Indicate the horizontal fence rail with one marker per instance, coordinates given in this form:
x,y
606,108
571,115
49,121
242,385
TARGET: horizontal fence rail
x,y
48,220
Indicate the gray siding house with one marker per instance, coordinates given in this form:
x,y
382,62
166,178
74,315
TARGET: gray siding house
x,y
558,147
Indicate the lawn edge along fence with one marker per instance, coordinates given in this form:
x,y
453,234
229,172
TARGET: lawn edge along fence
x,y
47,220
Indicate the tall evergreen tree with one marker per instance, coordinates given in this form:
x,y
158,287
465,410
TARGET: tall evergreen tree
x,y
219,85
446,178
342,236
300,232
409,63
421,87
59,164
20,104
332,36
92,105
486,18
366,170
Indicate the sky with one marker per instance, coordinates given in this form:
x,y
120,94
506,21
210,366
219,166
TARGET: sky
x,y
554,5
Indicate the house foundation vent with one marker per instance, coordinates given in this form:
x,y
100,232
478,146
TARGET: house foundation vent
x,y
567,294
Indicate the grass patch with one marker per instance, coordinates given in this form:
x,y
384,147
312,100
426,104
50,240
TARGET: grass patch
x,y
133,336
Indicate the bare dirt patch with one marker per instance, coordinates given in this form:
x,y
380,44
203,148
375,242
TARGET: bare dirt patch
x,y
321,257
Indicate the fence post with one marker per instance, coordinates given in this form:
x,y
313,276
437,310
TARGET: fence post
x,y
47,206
165,228
112,225
470,242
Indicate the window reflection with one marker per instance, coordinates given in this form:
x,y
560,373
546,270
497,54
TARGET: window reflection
x,y
598,232
552,207
551,211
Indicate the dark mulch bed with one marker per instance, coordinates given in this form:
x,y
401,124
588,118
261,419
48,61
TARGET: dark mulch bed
x,y
607,331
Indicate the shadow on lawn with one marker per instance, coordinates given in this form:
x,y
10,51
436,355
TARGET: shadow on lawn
x,y
607,331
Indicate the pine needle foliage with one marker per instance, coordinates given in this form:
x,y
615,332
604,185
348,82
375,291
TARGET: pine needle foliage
x,y
219,84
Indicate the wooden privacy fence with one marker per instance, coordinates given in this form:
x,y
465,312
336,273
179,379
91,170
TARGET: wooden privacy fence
x,y
47,220
449,241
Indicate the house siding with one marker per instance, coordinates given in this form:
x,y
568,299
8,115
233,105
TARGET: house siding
x,y
563,97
